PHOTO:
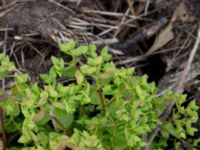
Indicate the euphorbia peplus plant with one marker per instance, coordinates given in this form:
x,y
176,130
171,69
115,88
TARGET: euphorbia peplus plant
x,y
98,107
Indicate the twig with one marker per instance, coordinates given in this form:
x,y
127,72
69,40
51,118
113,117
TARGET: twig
x,y
12,49
106,13
178,89
102,100
78,2
147,7
6,11
3,128
191,57
62,6
60,124
11,4
122,22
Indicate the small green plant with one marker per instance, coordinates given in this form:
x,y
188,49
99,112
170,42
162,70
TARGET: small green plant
x,y
97,107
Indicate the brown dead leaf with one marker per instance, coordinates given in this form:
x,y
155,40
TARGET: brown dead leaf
x,y
181,13
1,43
167,34
162,39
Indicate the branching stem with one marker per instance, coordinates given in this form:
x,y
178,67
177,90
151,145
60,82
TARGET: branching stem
x,y
3,128
102,100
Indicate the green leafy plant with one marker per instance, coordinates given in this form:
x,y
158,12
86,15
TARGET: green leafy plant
x,y
98,106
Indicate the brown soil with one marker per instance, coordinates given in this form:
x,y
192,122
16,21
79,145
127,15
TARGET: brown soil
x,y
193,7
34,16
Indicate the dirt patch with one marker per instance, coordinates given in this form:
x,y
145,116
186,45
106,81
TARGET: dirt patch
x,y
34,17
193,7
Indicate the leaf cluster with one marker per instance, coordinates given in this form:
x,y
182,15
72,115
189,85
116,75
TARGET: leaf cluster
x,y
99,106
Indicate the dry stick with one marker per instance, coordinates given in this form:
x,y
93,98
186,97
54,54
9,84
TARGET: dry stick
x,y
62,6
178,89
106,13
4,55
147,7
60,124
7,10
11,4
130,5
121,23
3,128
78,2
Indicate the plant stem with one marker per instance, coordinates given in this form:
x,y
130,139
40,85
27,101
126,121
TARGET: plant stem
x,y
60,124
3,128
102,100
110,102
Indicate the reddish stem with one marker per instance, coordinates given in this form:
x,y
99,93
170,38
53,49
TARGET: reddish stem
x,y
102,100
3,128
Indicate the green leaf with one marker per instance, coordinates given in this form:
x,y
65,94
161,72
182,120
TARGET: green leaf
x,y
94,95
182,135
105,55
58,62
79,51
41,118
88,70
85,99
21,78
1,57
12,108
6,66
55,61
69,71
3,73
63,90
51,91
192,106
42,138
59,65
95,61
66,47
23,139
165,133
191,131
47,78
64,118
79,77
52,74
92,50
42,113
171,129
35,88
139,92
107,90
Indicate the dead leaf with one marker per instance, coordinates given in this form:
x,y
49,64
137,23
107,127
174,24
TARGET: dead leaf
x,y
162,39
1,43
181,14
167,34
